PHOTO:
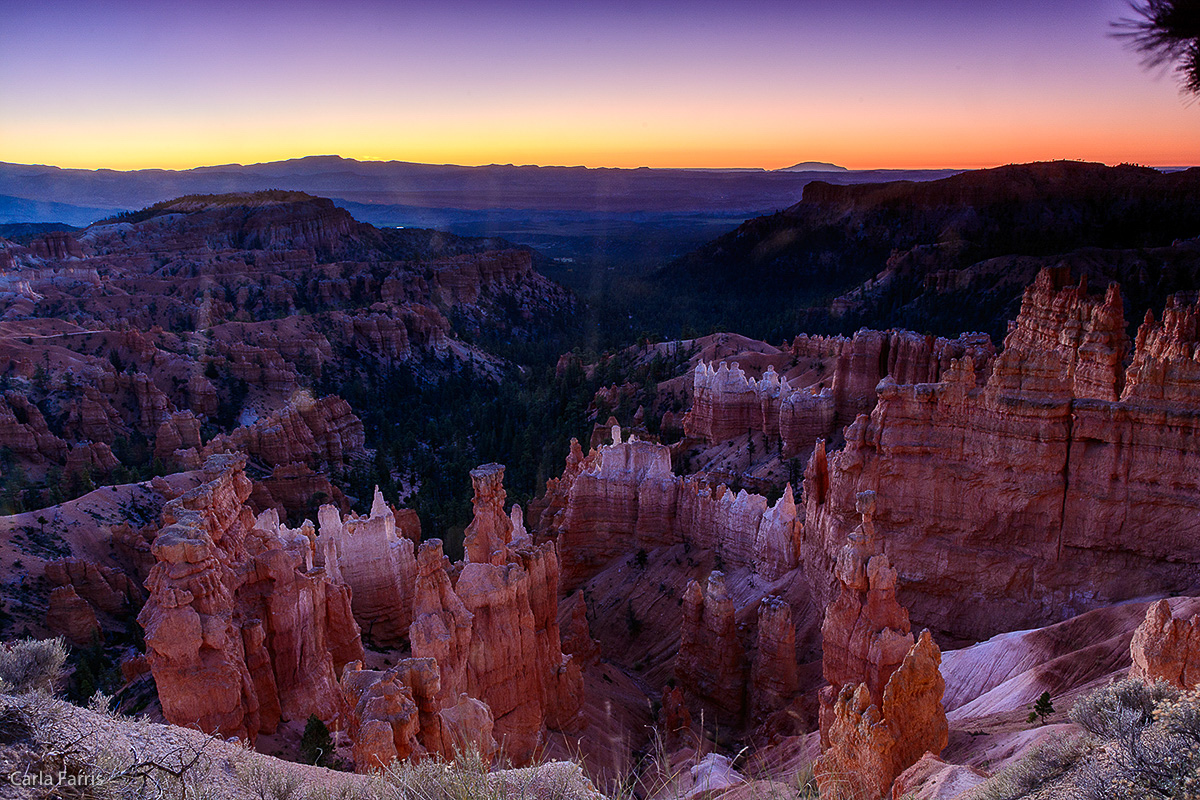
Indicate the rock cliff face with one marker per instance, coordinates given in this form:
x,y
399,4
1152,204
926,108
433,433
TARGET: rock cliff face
x,y
711,666
399,714
228,315
1105,487
314,432
487,653
514,661
1167,649
773,677
1087,333
104,588
241,629
726,403
71,616
56,245
24,431
624,497
882,709
378,565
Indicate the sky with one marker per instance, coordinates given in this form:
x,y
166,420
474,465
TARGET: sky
x,y
860,83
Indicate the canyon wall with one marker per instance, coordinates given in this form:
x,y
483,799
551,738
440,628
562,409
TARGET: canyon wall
x,y
1029,483
727,404
623,497
484,633
241,629
882,708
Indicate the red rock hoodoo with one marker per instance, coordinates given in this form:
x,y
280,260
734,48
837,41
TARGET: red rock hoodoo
x,y
726,403
484,635
1105,487
1167,649
711,664
882,709
624,497
241,629
378,565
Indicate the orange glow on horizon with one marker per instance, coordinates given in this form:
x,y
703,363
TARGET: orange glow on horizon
x,y
853,150
864,84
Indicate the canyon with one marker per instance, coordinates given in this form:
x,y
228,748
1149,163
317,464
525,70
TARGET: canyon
x,y
866,554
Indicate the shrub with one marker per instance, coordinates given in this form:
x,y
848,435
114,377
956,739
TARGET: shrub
x,y
1153,741
316,746
1120,709
1141,742
468,777
29,664
1045,763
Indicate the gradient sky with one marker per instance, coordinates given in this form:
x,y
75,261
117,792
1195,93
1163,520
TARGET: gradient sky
x,y
920,83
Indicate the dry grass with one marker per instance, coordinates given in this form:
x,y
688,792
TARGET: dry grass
x,y
96,754
50,749
1140,742
29,664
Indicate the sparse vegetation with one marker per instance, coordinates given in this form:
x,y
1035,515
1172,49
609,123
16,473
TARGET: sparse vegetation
x,y
68,753
1043,707
1045,764
632,622
30,664
1140,742
1148,741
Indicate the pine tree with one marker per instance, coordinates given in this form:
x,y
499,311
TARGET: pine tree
x,y
316,745
1166,33
1042,708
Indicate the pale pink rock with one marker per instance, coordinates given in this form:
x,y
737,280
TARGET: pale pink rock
x,y
1166,649
379,566
931,778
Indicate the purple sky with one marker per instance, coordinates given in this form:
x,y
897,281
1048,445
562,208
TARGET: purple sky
x,y
864,84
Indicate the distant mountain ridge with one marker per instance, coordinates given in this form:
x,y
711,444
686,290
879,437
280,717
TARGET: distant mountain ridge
x,y
398,183
948,255
814,166
24,210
